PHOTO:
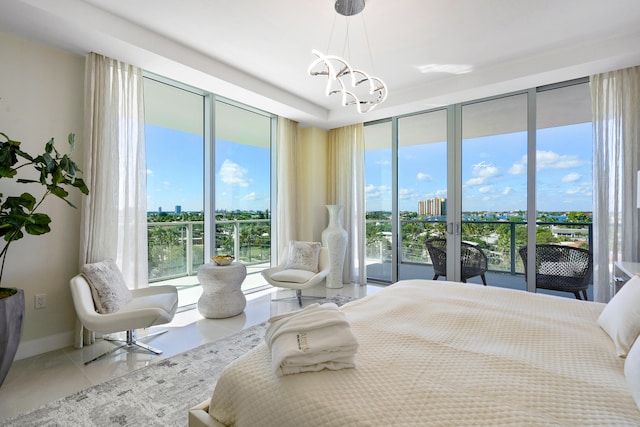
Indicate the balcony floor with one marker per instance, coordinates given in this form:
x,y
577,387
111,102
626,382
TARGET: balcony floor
x,y
494,278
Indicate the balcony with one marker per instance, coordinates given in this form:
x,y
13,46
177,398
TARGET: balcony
x,y
500,240
176,250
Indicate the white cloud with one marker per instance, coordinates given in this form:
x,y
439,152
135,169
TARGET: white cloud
x,y
518,168
383,162
572,177
485,189
551,160
233,174
546,160
375,192
475,181
149,172
251,196
424,177
506,191
481,173
441,193
405,194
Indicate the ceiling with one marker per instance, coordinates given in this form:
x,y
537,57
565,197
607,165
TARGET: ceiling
x,y
428,52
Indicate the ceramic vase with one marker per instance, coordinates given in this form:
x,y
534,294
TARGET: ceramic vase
x,y
11,315
334,237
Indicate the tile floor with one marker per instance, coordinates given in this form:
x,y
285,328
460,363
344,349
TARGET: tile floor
x,y
34,381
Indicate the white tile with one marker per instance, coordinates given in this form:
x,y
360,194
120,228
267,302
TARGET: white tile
x,y
34,381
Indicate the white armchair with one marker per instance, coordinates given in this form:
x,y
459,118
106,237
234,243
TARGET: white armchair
x,y
297,279
148,307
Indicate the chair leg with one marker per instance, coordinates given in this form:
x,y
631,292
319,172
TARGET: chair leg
x,y
484,280
435,276
130,344
584,293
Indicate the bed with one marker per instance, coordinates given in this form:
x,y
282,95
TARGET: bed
x,y
444,353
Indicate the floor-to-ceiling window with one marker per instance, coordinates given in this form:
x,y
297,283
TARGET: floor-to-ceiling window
x,y
476,184
493,211
422,187
208,184
242,185
378,202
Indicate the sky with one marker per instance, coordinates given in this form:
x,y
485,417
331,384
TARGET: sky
x,y
175,173
494,172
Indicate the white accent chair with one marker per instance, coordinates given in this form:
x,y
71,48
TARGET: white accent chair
x,y
150,306
298,279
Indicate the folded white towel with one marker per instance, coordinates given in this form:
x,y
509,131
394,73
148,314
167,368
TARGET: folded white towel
x,y
314,338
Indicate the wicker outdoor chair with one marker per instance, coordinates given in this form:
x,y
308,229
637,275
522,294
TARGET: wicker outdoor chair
x,y
561,268
473,260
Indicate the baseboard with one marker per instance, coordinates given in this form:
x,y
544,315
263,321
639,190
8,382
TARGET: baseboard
x,y
43,345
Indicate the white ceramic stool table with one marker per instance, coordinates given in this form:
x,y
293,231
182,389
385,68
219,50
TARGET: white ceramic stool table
x,y
221,294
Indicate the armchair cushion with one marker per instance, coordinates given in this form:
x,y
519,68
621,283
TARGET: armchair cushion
x,y
108,289
303,256
620,318
293,275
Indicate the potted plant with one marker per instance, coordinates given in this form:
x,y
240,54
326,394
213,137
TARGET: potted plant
x,y
18,215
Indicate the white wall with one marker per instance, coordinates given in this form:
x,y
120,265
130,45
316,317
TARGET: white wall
x,y
41,96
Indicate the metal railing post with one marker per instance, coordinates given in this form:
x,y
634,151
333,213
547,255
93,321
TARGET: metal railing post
x,y
512,230
236,239
189,239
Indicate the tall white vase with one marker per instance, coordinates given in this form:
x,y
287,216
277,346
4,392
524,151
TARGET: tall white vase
x,y
334,237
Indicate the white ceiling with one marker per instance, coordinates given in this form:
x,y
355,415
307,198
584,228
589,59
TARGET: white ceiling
x,y
258,51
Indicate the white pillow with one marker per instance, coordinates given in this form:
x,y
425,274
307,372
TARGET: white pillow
x,y
108,289
303,256
632,371
621,316
295,276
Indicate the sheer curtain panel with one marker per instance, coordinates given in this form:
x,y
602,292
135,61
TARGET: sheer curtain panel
x,y
346,187
287,185
615,100
114,215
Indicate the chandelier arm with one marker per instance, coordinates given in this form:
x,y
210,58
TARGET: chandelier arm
x,y
341,78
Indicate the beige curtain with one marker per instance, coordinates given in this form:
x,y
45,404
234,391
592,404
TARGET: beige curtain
x,y
615,100
346,187
114,214
286,185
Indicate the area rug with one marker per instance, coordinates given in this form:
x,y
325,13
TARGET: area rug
x,y
157,395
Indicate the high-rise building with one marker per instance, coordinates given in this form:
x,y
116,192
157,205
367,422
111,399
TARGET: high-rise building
x,y
433,207
178,209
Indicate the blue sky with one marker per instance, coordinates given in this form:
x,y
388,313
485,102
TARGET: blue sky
x,y
493,172
175,172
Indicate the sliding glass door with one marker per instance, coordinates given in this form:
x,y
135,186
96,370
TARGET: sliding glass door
x,y
488,176
208,184
493,213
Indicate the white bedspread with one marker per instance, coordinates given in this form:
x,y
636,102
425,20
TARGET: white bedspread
x,y
446,354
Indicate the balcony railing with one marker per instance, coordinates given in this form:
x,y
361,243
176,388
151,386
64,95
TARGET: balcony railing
x,y
176,249
500,240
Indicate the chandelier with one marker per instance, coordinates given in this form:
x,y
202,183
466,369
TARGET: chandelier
x,y
354,86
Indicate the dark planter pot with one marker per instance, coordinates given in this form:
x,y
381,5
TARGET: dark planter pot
x,y
11,315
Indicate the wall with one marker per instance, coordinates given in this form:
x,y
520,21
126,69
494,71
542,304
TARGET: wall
x,y
41,96
313,176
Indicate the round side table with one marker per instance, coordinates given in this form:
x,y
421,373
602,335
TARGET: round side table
x,y
221,294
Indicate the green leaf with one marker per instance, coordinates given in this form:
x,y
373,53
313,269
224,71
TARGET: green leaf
x,y
38,224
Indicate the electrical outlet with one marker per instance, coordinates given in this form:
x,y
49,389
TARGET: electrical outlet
x,y
41,300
